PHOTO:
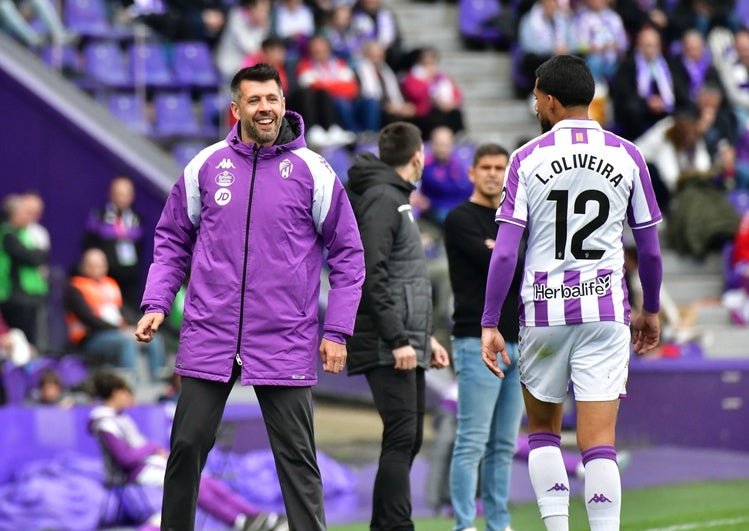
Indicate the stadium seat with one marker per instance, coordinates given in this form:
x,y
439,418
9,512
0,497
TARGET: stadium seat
x,y
149,65
64,58
174,115
90,18
129,108
183,152
213,112
15,383
105,64
339,159
474,22
193,65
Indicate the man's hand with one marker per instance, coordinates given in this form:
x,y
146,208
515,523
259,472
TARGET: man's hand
x,y
647,332
333,356
440,357
148,325
492,343
405,358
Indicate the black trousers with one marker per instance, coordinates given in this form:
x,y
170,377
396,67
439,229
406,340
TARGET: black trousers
x,y
399,397
287,413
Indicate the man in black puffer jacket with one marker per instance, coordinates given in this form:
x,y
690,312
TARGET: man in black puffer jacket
x,y
392,343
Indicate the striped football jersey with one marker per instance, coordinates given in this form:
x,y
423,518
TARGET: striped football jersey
x,y
573,188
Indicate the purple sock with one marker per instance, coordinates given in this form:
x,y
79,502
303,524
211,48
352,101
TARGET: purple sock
x,y
543,438
599,452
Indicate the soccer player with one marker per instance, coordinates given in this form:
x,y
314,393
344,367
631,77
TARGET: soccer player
x,y
572,188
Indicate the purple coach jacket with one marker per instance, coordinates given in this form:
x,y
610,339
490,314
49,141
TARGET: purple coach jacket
x,y
252,223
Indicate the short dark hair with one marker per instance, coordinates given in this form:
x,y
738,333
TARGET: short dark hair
x,y
106,383
485,150
398,142
259,72
568,79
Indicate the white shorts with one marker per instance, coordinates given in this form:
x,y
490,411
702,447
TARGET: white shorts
x,y
594,355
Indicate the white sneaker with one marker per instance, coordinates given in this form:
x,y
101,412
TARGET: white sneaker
x,y
317,136
339,136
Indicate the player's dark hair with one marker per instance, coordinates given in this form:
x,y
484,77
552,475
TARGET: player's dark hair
x,y
398,142
485,150
259,72
568,79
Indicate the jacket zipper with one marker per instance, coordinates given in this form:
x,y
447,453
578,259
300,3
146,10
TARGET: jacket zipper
x,y
256,149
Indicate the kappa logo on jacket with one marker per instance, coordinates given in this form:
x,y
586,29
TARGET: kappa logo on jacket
x,y
285,168
226,164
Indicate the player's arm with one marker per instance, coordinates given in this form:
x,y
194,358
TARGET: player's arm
x,y
650,269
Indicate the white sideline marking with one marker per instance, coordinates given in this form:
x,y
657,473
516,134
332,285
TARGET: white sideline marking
x,y
702,525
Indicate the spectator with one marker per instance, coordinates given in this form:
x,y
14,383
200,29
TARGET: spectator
x,y
50,391
371,20
445,182
23,269
671,147
705,15
643,89
37,237
144,462
381,100
436,97
636,14
14,16
600,37
345,42
249,23
392,343
293,22
544,32
14,347
95,321
273,52
716,122
693,67
733,64
116,229
323,77
184,20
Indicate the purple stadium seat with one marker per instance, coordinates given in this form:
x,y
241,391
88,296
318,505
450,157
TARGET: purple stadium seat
x,y
472,18
129,108
193,65
740,201
339,159
63,58
149,65
15,382
213,111
72,370
174,115
183,152
105,64
90,18
464,154
36,368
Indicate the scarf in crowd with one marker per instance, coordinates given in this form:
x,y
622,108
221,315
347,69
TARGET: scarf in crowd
x,y
657,70
696,70
550,31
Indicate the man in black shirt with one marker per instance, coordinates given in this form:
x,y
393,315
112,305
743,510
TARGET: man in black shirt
x,y
489,408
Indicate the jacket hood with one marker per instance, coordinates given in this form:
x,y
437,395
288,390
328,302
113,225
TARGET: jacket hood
x,y
368,171
290,136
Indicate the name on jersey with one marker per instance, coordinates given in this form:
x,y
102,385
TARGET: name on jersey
x,y
586,161
598,286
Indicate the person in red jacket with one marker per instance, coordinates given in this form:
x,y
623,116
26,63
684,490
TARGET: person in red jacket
x,y
327,91
435,95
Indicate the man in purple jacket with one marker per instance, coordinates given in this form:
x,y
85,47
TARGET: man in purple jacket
x,y
250,216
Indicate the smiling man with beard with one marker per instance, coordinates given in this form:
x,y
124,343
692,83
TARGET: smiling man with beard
x,y
250,217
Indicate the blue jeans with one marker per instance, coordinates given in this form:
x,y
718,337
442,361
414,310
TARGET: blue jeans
x,y
124,349
489,413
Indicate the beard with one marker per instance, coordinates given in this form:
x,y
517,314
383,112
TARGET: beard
x,y
262,136
546,125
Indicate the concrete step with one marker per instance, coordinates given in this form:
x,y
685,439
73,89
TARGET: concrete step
x,y
686,288
675,264
712,315
427,25
726,341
